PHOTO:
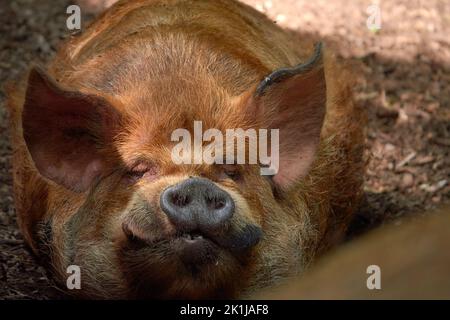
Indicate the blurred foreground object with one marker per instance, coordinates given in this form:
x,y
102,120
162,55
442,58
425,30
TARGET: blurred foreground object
x,y
414,259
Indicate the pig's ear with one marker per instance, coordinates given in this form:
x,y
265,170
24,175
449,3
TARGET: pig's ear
x,y
293,100
65,131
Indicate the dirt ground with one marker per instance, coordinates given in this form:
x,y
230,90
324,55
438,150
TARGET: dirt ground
x,y
403,82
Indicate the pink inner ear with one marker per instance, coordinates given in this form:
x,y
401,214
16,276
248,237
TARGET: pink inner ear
x,y
62,130
296,106
292,168
76,170
79,177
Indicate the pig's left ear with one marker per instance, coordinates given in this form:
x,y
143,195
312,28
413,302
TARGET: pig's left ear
x,y
65,132
293,100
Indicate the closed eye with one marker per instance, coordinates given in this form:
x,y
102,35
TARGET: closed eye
x,y
143,170
231,171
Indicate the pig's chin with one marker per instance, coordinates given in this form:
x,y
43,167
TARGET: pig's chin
x,y
186,266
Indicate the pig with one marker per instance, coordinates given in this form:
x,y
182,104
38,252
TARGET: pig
x,y
95,185
411,260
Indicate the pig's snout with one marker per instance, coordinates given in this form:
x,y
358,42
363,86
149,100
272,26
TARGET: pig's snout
x,y
197,204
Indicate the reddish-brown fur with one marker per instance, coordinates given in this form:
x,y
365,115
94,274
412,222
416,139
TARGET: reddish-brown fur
x,y
159,65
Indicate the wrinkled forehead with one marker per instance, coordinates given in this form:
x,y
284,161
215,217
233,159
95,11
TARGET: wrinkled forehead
x,y
153,112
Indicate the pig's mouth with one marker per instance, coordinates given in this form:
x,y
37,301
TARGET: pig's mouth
x,y
187,264
191,247
192,237
196,246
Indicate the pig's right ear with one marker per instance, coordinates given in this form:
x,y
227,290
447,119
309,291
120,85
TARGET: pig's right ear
x,y
293,100
65,132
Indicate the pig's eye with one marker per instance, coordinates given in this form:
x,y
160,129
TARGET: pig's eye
x,y
133,176
142,171
232,172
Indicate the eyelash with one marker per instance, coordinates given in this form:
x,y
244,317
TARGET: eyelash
x,y
232,172
141,171
136,174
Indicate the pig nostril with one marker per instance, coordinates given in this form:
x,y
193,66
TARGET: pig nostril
x,y
215,203
219,204
180,200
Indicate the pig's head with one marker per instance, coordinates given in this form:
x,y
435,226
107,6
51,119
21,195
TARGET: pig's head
x,y
140,225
